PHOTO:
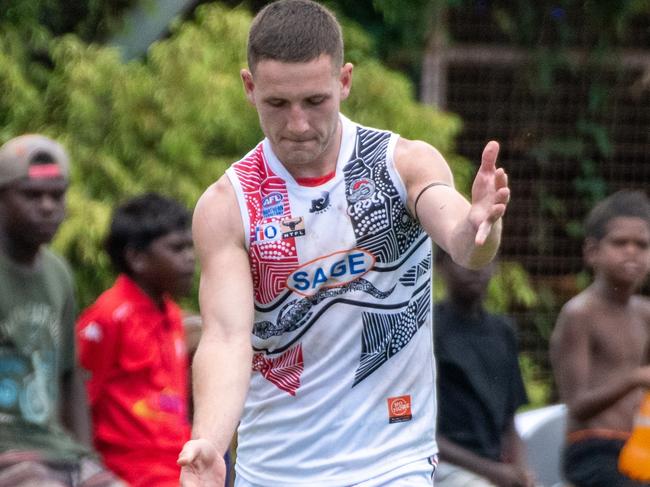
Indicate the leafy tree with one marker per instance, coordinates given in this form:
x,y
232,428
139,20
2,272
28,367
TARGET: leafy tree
x,y
92,20
171,122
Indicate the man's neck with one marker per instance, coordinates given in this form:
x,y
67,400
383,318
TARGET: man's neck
x,y
155,295
19,252
467,307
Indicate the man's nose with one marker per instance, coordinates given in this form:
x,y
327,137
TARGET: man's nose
x,y
48,203
297,122
189,256
633,248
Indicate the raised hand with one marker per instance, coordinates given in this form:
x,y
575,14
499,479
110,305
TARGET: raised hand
x,y
490,193
201,465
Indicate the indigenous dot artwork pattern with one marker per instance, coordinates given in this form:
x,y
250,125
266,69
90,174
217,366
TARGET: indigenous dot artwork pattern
x,y
380,219
381,225
273,260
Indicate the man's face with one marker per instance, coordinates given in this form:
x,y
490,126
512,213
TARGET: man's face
x,y
298,107
31,210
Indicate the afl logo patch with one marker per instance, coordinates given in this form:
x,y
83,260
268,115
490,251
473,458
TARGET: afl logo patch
x,y
272,205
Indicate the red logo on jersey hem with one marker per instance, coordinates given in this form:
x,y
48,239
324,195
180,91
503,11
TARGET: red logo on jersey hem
x,y
399,409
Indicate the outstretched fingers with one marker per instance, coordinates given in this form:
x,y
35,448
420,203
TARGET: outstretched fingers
x,y
490,192
500,178
484,229
502,191
489,157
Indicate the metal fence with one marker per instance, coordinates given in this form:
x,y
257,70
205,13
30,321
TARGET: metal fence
x,y
584,134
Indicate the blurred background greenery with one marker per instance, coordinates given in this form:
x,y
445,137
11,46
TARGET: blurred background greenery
x,y
170,121
563,84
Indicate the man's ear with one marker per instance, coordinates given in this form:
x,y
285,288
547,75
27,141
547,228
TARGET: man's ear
x,y
589,250
345,78
249,85
136,260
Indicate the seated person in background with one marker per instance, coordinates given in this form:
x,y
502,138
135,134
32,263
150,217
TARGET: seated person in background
x,y
599,347
479,386
37,311
132,342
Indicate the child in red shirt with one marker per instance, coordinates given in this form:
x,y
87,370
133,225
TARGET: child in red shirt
x,y
131,340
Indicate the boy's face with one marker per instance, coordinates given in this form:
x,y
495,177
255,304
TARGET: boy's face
x,y
32,209
466,285
168,264
623,254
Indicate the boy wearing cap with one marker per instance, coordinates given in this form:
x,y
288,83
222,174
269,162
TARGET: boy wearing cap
x,y
37,312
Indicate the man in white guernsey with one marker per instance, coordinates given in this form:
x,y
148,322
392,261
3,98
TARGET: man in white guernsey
x,y
315,292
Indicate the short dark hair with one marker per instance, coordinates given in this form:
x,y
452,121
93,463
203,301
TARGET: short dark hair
x,y
294,31
139,221
623,203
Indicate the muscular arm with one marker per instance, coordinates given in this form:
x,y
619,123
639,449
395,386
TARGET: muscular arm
x,y
222,363
469,232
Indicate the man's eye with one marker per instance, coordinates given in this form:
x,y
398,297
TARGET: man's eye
x,y
316,100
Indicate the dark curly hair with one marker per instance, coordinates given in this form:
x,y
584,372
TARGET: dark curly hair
x,y
623,203
139,221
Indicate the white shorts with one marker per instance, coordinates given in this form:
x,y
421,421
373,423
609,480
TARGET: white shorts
x,y
415,474
449,475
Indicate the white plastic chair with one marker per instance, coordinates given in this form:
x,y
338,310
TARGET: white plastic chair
x,y
543,431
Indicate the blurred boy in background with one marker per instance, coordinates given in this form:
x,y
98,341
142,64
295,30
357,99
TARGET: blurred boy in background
x,y
479,386
599,347
131,340
37,312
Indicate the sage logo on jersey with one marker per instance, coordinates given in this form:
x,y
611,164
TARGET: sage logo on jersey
x,y
272,205
332,270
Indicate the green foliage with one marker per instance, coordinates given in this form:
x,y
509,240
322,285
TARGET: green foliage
x,y
91,19
387,100
550,30
538,387
510,288
172,122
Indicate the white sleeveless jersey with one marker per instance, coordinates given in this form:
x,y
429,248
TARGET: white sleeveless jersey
x,y
342,386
